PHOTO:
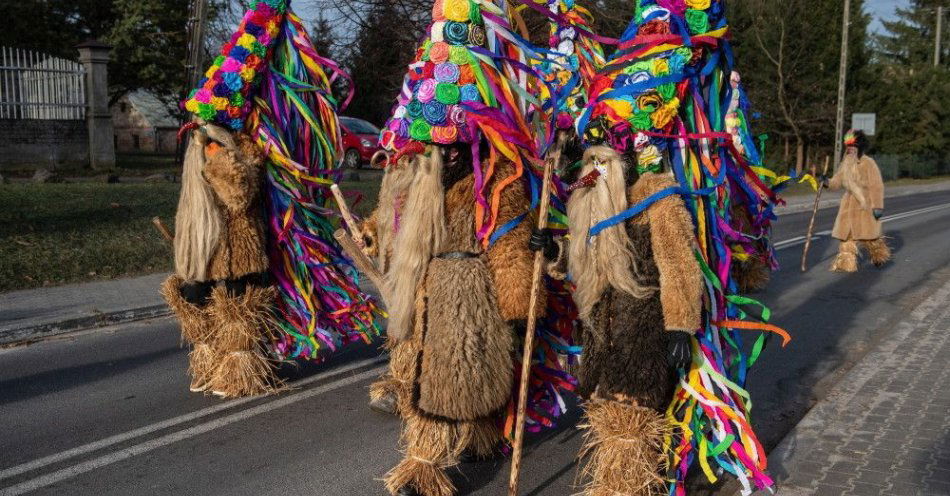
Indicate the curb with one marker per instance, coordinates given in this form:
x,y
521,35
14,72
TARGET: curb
x,y
34,333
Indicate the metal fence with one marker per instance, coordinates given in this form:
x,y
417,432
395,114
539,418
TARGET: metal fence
x,y
38,86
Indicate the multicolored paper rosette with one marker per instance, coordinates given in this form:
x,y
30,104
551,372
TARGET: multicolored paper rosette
x,y
224,95
669,94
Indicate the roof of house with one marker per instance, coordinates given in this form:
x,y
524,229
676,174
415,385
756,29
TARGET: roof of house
x,y
157,113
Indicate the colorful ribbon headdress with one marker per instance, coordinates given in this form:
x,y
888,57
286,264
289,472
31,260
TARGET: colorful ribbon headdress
x,y
469,85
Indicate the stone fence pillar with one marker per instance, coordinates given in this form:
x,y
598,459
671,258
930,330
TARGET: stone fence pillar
x,y
94,57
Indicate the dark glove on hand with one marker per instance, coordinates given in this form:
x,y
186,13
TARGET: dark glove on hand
x,y
543,239
823,180
680,352
878,213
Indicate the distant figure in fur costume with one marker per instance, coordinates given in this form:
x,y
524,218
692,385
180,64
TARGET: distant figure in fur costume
x,y
220,289
639,295
391,392
862,206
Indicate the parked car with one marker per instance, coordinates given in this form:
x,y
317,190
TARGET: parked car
x,y
360,142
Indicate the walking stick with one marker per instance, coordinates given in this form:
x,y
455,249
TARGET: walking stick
x,y
814,215
532,322
157,221
353,244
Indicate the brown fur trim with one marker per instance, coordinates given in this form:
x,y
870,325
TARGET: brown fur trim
x,y
242,322
431,447
510,259
466,371
671,231
244,373
847,259
878,250
751,275
460,217
195,324
625,446
240,250
235,173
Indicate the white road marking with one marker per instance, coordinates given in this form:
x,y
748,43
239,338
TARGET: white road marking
x,y
127,436
800,240
138,449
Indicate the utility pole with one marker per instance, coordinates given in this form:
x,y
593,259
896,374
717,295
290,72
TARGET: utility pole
x,y
939,36
196,31
196,36
842,82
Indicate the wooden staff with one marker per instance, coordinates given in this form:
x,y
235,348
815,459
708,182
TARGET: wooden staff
x,y
532,323
352,244
157,221
347,216
814,215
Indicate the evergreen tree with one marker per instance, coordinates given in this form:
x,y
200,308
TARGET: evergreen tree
x,y
384,47
913,120
910,39
788,54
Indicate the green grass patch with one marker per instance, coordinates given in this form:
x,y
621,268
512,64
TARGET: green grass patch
x,y
52,234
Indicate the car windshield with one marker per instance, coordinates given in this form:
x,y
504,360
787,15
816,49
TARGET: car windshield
x,y
359,126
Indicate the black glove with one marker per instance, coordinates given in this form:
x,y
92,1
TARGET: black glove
x,y
543,240
823,181
878,213
680,352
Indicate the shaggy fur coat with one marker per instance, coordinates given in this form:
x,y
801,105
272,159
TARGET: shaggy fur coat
x,y
464,327
625,336
864,192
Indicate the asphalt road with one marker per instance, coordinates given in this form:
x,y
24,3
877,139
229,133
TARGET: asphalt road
x,y
109,412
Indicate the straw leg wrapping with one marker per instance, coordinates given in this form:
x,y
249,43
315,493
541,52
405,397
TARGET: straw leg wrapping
x,y
196,330
847,259
878,250
242,325
624,443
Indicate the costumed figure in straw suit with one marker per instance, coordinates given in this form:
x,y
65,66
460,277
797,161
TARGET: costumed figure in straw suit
x,y
652,241
459,263
859,216
246,297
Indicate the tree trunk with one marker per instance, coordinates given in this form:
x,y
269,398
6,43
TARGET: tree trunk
x,y
799,154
